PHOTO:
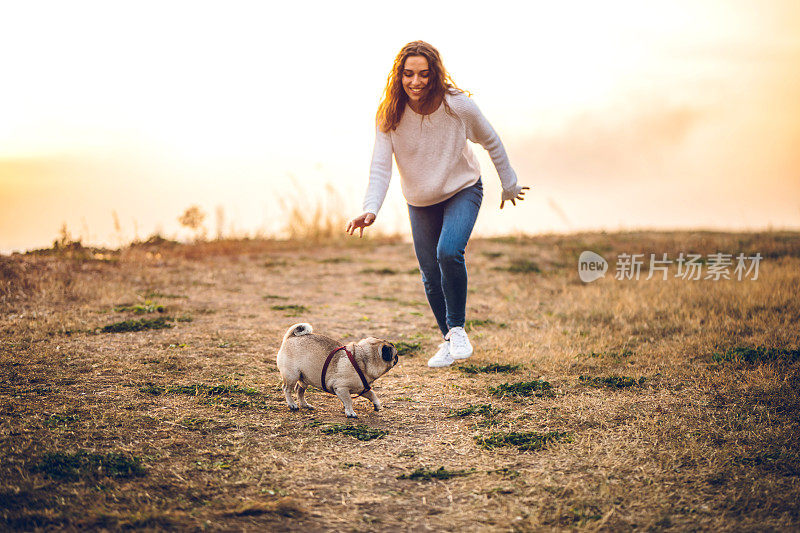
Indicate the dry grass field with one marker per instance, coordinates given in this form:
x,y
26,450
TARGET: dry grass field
x,y
613,405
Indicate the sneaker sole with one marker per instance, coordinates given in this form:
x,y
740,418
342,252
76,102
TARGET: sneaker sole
x,y
457,358
439,366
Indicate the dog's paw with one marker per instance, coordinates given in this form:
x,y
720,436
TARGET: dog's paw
x,y
376,406
293,408
351,415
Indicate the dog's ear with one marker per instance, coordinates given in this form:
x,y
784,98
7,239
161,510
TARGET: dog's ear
x,y
387,352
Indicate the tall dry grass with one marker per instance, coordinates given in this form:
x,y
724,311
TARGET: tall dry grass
x,y
322,219
52,273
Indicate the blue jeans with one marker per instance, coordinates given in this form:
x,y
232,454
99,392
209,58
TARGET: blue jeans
x,y
440,233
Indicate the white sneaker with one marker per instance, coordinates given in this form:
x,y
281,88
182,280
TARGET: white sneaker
x,y
460,347
442,357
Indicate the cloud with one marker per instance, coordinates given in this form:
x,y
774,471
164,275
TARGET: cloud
x,y
612,145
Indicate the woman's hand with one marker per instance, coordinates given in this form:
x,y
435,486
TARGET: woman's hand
x,y
517,193
359,223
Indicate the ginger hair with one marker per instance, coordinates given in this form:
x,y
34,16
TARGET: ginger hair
x,y
395,98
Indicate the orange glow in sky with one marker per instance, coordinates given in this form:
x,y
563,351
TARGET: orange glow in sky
x,y
618,114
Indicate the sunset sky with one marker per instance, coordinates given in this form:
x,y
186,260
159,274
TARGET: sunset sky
x,y
619,115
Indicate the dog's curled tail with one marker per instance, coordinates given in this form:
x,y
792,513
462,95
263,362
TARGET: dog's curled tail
x,y
303,328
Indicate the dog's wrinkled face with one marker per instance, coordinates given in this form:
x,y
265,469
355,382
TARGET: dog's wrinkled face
x,y
389,353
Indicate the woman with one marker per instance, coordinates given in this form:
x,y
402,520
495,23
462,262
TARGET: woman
x,y
425,121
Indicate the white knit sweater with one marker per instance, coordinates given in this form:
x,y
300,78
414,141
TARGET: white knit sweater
x,y
433,156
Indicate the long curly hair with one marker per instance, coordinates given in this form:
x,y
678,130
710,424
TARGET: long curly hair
x,y
394,96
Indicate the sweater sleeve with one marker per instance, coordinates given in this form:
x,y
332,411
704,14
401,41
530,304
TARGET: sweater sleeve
x,y
380,172
480,131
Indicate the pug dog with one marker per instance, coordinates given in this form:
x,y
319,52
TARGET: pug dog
x,y
303,356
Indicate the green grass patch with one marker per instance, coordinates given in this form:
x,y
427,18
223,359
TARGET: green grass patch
x,y
274,297
380,271
222,396
142,324
488,422
155,294
478,409
196,423
492,255
56,420
469,325
620,354
614,382
524,441
293,309
155,390
199,389
424,474
409,349
140,309
185,318
234,402
757,354
521,266
491,368
488,412
505,472
538,388
82,464
381,298
360,432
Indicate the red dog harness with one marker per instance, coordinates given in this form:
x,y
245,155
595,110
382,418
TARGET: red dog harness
x,y
353,361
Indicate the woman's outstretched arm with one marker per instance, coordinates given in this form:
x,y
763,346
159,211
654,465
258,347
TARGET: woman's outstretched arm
x,y
380,174
480,131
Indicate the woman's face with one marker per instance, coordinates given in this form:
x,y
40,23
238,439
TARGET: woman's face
x,y
415,77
